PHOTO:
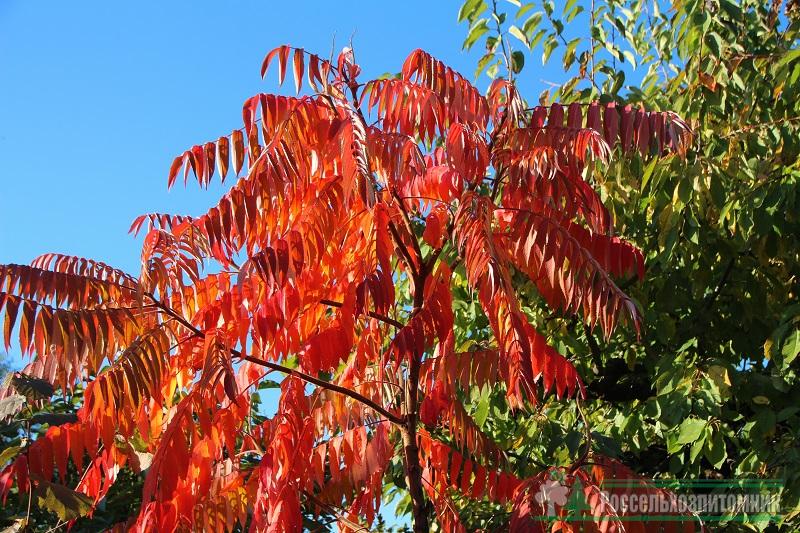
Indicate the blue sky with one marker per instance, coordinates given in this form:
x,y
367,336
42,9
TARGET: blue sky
x,y
97,100
98,97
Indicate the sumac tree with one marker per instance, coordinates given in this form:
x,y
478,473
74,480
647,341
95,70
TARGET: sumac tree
x,y
330,261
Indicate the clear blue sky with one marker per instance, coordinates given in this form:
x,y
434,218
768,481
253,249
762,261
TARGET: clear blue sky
x,y
97,97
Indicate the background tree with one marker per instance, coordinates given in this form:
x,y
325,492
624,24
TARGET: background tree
x,y
334,260
712,389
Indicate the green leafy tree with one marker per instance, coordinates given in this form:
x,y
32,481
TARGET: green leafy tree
x,y
711,391
26,412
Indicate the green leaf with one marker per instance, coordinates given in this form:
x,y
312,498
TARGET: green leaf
x,y
714,43
628,55
648,172
475,32
577,10
524,9
483,408
690,430
63,501
471,9
517,61
790,56
570,51
699,444
269,384
786,413
9,453
516,32
683,192
733,9
537,38
791,348
764,424
714,449
483,63
532,23
291,362
550,44
673,446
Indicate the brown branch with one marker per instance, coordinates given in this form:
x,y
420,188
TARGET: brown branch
x,y
750,127
593,346
722,281
409,228
402,248
372,314
286,370
322,384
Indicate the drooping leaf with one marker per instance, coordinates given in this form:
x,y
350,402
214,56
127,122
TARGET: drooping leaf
x,y
11,405
66,503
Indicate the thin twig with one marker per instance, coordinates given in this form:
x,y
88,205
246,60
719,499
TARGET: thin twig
x,y
721,283
286,370
372,314
409,227
500,35
401,247
591,50
587,435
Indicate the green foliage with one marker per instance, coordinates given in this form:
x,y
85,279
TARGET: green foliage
x,y
63,501
711,389
26,414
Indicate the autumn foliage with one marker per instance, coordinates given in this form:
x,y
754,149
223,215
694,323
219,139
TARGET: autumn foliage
x,y
330,260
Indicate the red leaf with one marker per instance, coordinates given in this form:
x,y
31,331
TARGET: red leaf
x,y
298,64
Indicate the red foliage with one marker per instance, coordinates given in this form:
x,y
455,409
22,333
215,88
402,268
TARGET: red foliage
x,y
329,212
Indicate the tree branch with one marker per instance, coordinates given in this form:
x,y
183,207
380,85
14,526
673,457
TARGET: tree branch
x,y
323,384
402,248
409,228
721,284
377,316
593,347
286,370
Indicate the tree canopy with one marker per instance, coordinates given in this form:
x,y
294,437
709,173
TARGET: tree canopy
x,y
711,389
366,220
466,302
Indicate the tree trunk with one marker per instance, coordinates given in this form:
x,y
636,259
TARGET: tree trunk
x,y
414,479
409,431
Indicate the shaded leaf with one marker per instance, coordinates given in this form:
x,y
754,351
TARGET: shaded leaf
x,y
11,405
66,503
